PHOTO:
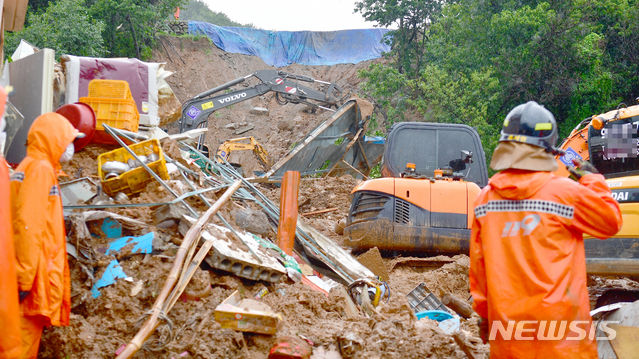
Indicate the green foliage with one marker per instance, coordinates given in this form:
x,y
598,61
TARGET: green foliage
x,y
77,34
376,172
412,19
389,89
454,97
476,60
197,10
132,26
98,28
38,6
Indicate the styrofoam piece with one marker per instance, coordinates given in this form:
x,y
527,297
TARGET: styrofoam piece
x,y
153,132
23,50
240,262
449,326
321,283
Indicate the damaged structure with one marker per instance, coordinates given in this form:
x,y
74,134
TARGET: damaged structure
x,y
174,252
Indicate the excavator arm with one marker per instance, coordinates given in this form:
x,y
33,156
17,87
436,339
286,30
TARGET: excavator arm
x,y
196,111
225,149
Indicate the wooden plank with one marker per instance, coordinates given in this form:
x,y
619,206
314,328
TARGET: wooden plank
x,y
626,342
616,267
361,147
350,309
14,14
320,211
348,148
459,306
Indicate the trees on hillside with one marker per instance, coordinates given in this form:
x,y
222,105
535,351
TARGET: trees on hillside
x,y
78,33
411,18
197,10
478,59
132,25
112,28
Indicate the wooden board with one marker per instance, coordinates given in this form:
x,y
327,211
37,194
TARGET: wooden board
x,y
14,14
626,342
372,260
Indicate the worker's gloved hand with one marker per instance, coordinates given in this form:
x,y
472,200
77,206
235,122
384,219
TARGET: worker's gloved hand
x,y
483,330
23,295
580,169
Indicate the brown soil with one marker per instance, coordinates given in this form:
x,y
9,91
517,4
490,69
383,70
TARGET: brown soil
x,y
100,326
320,193
207,66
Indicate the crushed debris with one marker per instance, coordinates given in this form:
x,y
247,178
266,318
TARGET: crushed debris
x,y
237,295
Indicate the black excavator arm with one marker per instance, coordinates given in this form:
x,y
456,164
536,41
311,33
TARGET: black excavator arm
x,y
196,111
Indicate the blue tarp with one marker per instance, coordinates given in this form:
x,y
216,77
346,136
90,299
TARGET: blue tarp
x,y
283,48
143,244
113,272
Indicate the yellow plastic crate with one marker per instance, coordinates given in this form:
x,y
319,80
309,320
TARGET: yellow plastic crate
x,y
135,180
117,113
110,89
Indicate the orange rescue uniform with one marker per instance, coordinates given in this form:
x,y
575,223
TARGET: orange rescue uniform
x,y
41,257
528,261
10,346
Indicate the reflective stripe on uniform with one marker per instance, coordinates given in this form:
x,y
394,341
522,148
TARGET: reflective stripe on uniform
x,y
526,205
17,176
55,191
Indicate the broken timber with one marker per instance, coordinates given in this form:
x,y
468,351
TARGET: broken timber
x,y
332,143
191,238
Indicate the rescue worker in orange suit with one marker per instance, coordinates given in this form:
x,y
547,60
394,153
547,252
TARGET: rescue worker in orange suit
x,y
39,234
10,344
527,259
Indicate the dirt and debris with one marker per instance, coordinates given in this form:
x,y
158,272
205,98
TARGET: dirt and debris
x,y
102,325
99,326
321,193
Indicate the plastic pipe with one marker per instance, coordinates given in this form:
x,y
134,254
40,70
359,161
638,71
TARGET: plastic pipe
x,y
288,211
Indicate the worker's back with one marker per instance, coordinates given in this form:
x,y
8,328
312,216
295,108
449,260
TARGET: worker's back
x,y
528,261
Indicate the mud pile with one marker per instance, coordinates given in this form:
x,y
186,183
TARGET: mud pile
x,y
102,325
99,326
205,67
317,194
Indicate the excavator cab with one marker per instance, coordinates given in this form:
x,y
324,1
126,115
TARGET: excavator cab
x,y
609,142
432,174
435,146
613,147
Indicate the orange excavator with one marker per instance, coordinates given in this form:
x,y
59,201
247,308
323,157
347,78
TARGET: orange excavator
x,y
609,141
432,174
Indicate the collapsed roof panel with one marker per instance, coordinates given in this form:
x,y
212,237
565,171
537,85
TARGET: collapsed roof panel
x,y
340,138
